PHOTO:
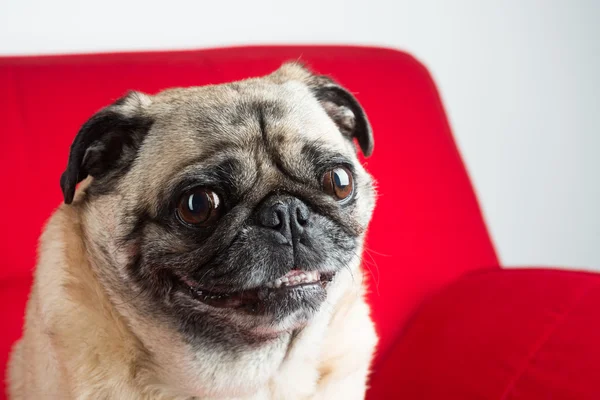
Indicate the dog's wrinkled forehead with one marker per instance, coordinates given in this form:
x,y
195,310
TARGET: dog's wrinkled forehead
x,y
255,120
273,119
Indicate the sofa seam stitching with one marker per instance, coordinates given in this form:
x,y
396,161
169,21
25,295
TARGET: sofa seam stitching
x,y
543,339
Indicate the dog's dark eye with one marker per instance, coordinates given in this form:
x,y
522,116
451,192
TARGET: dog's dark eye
x,y
199,206
338,183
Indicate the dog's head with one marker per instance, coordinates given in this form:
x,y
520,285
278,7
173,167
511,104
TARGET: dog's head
x,y
228,210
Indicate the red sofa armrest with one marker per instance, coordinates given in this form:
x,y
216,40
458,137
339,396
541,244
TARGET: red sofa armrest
x,y
505,334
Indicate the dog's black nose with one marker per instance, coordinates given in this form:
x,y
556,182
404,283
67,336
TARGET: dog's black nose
x,y
286,214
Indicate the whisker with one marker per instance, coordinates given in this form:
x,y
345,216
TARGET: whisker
x,y
366,264
376,252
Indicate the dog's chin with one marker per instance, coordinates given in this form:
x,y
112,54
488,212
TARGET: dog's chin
x,y
296,293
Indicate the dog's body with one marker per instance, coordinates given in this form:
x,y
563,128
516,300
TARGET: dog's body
x,y
127,303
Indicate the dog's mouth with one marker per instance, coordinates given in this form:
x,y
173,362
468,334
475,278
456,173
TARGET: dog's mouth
x,y
294,281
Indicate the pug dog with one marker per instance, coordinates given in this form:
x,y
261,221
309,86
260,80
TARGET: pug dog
x,y
212,249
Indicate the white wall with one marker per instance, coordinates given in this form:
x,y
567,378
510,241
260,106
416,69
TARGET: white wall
x,y
520,80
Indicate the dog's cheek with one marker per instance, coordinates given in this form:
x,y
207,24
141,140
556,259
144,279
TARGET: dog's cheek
x,y
366,196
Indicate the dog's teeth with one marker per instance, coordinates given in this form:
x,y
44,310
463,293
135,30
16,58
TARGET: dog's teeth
x,y
296,279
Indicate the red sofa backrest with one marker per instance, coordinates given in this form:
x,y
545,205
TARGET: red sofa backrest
x,y
427,228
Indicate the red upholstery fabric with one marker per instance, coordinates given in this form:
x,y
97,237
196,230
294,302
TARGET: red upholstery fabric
x,y
506,335
427,229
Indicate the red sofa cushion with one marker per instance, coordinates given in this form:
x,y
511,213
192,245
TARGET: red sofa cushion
x,y
427,229
501,335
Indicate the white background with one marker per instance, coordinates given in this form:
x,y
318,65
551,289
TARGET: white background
x,y
520,80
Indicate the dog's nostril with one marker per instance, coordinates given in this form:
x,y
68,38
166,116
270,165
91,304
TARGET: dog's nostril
x,y
280,217
272,219
302,215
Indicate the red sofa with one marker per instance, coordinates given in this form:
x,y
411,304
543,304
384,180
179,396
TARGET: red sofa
x,y
453,324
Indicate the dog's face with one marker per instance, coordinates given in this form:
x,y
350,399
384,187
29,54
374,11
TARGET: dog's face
x,y
227,211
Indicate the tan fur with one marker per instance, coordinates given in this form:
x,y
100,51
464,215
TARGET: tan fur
x,y
52,362
84,339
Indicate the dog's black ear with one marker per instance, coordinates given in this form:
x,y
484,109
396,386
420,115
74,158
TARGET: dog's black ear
x,y
107,142
341,106
345,111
